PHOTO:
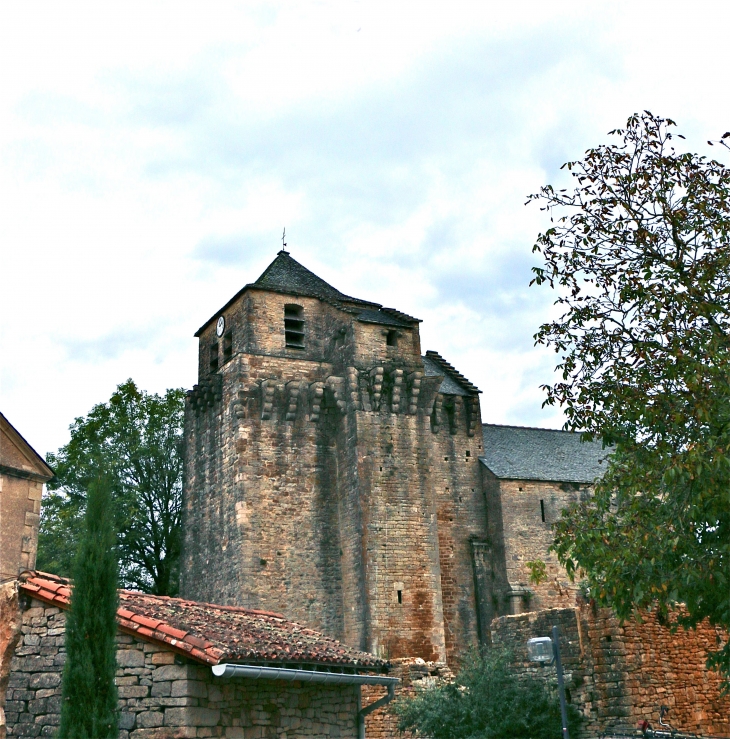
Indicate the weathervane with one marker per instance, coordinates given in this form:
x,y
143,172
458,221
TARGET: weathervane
x,y
283,242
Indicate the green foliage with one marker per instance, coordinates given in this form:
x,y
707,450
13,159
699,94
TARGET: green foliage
x,y
639,253
538,571
89,697
487,701
137,437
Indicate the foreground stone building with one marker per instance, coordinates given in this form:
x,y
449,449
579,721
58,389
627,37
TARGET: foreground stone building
x,y
22,475
338,475
178,666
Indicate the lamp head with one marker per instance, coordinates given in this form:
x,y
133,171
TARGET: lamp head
x,y
540,649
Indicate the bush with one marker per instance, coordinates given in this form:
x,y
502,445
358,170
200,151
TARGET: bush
x,y
488,700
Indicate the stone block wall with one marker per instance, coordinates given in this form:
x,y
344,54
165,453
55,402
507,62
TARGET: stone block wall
x,y
618,675
160,697
413,673
333,483
521,515
20,508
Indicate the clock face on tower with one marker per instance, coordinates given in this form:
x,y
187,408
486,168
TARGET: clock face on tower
x,y
220,326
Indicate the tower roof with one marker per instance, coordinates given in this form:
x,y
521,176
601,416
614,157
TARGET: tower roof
x,y
286,275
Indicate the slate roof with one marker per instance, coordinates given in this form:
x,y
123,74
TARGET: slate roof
x,y
454,382
521,453
212,634
286,275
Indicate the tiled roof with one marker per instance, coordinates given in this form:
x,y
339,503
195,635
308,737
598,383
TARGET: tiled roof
x,y
520,453
454,382
212,633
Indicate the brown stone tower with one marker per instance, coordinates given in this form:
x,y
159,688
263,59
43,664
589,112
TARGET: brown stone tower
x,y
332,472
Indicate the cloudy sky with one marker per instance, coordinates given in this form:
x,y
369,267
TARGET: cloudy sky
x,y
151,154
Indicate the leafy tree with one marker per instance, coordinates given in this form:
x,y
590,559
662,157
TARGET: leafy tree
x,y
137,437
89,694
488,700
639,253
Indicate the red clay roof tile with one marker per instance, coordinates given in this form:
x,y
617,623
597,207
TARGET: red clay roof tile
x,y
211,633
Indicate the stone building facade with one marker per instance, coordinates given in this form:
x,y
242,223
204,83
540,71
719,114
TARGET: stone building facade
x,y
166,648
333,473
22,475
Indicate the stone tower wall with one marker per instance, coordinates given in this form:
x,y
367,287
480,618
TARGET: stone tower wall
x,y
322,481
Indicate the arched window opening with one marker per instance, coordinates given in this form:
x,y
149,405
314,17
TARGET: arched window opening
x,y
294,326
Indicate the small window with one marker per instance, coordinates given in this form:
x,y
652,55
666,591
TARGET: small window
x,y
400,596
294,326
542,510
214,357
392,338
227,346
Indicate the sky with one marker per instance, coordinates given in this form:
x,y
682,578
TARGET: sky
x,y
151,153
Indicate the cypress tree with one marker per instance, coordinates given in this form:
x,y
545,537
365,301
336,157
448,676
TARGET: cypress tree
x,y
89,700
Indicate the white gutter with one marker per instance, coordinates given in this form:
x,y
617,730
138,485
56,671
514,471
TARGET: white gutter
x,y
305,676
313,676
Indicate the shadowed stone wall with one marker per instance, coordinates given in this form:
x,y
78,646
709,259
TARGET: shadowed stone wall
x,y
333,483
618,675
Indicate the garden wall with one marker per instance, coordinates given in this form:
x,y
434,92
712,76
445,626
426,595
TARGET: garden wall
x,y
618,675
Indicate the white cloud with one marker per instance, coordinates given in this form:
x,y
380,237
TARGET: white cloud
x,y
151,153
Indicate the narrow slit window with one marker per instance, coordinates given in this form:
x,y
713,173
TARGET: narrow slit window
x,y
294,326
392,338
542,510
227,346
400,596
214,357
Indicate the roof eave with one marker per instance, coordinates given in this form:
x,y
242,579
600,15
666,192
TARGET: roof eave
x,y
531,478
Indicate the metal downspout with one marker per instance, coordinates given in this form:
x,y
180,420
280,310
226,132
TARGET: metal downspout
x,y
372,707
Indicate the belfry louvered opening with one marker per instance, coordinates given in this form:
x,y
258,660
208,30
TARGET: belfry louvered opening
x,y
294,326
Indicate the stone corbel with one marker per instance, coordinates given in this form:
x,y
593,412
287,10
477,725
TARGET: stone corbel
x,y
436,413
352,387
316,394
337,385
456,414
414,382
294,389
472,412
376,375
267,399
397,387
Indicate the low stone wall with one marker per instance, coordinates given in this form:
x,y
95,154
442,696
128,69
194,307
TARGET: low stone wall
x,y
618,675
413,672
160,697
10,622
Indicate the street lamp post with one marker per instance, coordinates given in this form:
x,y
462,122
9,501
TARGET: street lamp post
x,y
546,650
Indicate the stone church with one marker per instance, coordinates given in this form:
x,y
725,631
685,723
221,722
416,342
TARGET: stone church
x,y
338,475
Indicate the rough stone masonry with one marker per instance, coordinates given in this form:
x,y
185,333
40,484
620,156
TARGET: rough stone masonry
x,y
336,475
